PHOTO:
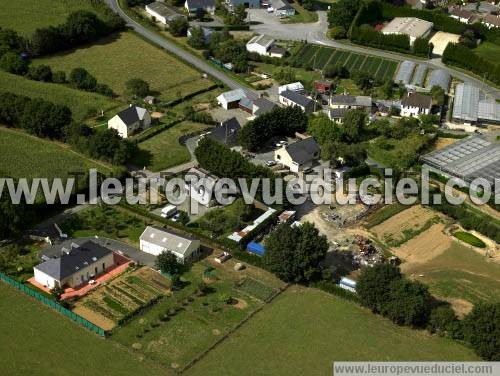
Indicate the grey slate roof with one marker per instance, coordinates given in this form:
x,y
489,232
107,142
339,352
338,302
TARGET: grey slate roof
x,y
201,4
296,98
167,239
281,4
131,114
304,150
352,100
227,132
262,105
337,113
77,258
417,100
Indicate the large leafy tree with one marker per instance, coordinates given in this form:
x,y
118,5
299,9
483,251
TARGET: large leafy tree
x,y
167,263
343,13
374,286
294,253
482,330
353,125
137,87
13,217
410,303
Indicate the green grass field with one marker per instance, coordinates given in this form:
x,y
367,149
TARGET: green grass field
x,y
303,331
36,339
120,57
25,16
82,104
489,51
320,57
164,150
469,239
28,157
461,273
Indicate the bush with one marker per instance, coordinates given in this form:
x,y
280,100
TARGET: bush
x,y
13,63
482,330
82,79
40,73
441,320
337,32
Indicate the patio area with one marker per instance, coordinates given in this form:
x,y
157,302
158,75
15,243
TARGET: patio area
x,y
121,264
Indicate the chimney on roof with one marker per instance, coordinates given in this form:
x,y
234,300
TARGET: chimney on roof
x,y
65,251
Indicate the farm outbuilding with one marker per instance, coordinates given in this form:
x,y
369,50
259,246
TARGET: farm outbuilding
x,y
405,72
419,75
439,77
256,248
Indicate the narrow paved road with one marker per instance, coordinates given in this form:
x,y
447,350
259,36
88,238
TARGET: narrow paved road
x,y
316,33
171,47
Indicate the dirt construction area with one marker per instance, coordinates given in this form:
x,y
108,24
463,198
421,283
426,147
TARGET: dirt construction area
x,y
424,247
401,225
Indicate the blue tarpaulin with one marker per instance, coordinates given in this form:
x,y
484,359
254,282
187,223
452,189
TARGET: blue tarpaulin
x,y
256,248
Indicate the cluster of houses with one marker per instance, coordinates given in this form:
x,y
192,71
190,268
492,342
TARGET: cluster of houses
x,y
468,16
161,12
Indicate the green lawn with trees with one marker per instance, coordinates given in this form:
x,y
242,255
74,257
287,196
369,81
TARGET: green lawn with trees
x,y
165,150
27,327
322,329
25,16
167,76
82,104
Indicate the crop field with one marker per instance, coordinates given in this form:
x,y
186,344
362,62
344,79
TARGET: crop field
x,y
40,158
405,225
164,150
107,305
469,239
25,16
117,58
320,57
82,104
27,326
186,323
322,329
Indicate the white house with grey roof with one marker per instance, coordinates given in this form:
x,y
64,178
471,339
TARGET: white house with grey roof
x,y
161,12
156,240
351,102
75,266
129,121
231,99
290,98
298,156
199,185
264,46
281,8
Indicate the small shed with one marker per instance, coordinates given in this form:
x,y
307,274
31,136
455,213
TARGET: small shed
x,y
256,248
323,86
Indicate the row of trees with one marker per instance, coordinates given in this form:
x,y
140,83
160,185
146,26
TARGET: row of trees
x,y
224,162
461,56
80,27
278,122
384,290
13,61
48,120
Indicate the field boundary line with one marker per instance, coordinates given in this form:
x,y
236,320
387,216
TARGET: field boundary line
x,y
200,356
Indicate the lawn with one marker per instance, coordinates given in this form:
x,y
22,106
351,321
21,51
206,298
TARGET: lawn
x,y
34,337
120,57
82,104
489,51
105,221
25,16
322,329
301,15
193,322
397,153
461,273
25,156
164,150
469,239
